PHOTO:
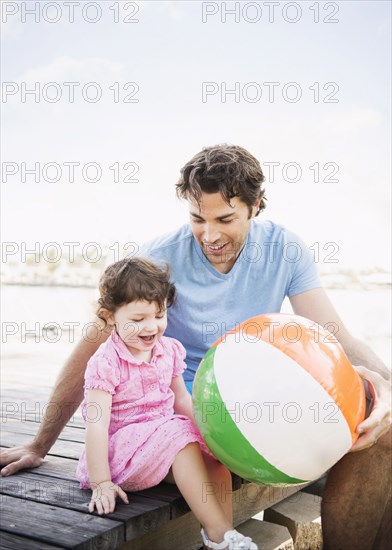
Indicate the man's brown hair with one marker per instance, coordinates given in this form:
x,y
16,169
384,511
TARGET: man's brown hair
x,y
226,169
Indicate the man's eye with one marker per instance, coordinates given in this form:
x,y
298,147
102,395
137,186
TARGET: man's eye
x,y
226,221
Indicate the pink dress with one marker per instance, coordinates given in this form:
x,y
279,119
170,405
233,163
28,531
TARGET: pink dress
x,y
144,434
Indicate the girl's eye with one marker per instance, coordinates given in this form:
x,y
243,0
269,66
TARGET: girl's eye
x,y
136,320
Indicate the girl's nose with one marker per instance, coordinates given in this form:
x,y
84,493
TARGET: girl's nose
x,y
151,326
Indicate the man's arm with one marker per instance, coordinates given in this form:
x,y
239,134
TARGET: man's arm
x,y
66,397
315,305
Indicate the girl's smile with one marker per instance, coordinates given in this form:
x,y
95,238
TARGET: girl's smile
x,y
139,324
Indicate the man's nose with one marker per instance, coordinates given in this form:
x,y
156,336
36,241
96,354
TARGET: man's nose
x,y
211,233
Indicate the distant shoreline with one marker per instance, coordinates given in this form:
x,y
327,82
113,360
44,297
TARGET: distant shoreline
x,y
47,285
336,285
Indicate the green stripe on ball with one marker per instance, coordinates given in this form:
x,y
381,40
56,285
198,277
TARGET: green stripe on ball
x,y
222,435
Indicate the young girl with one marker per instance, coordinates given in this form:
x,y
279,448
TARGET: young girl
x,y
133,386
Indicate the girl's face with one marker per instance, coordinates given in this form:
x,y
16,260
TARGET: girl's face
x,y
139,324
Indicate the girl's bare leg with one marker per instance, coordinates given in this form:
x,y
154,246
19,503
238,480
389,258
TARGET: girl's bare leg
x,y
208,497
220,476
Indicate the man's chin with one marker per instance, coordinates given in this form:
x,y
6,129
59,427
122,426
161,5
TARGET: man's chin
x,y
222,263
227,256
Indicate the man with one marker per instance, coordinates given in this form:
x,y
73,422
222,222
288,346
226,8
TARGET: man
x,y
228,268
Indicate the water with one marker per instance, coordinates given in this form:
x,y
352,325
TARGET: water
x,y
33,353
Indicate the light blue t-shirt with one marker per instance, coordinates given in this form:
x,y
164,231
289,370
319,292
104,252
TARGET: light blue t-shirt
x,y
273,264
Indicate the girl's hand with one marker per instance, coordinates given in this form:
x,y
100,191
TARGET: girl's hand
x,y
104,497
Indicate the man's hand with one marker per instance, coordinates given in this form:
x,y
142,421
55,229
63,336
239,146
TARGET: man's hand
x,y
19,458
379,420
104,497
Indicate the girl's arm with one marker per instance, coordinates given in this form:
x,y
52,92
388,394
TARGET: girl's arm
x,y
98,411
183,400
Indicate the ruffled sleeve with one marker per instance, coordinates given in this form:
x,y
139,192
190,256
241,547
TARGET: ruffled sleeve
x,y
178,358
102,374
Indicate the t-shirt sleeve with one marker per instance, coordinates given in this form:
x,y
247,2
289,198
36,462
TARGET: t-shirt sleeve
x,y
155,255
145,250
304,273
102,374
179,358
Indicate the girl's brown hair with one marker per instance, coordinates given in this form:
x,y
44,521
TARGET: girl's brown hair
x,y
133,279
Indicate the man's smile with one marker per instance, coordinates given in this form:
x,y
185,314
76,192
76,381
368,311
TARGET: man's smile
x,y
214,248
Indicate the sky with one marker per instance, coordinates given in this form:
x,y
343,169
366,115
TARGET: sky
x,y
132,90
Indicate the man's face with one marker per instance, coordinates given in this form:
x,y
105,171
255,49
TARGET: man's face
x,y
220,229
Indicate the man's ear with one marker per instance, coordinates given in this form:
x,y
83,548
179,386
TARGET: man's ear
x,y
255,207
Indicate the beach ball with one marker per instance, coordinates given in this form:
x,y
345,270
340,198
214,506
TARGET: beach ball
x,y
277,400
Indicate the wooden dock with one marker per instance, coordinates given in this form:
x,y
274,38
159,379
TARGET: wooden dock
x,y
45,509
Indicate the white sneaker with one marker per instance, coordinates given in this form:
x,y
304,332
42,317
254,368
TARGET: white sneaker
x,y
232,540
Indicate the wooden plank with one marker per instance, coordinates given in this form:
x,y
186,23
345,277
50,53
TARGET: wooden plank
x,y
139,513
30,406
68,449
10,541
301,515
168,493
60,467
65,469
57,492
69,433
164,491
22,408
267,536
251,498
182,533
55,466
52,524
146,521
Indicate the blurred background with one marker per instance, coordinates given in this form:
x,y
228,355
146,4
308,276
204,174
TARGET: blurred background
x,y
103,103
